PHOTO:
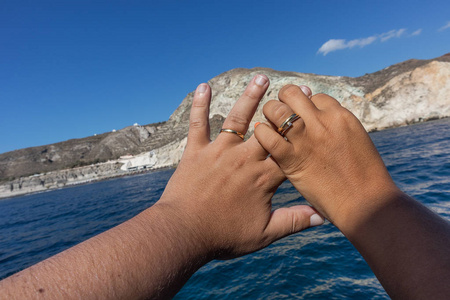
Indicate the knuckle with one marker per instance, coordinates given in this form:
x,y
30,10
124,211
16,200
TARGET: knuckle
x,y
276,110
263,179
343,117
268,107
273,143
294,224
239,163
218,154
340,120
281,111
238,119
252,95
326,100
350,119
319,97
348,115
298,223
343,114
197,123
199,104
289,90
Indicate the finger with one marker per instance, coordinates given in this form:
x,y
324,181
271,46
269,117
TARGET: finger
x,y
277,175
278,113
268,123
199,116
293,96
257,151
268,165
273,143
288,220
324,102
240,116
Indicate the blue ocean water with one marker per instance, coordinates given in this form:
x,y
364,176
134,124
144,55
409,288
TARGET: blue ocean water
x,y
318,263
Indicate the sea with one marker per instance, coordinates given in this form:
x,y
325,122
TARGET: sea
x,y
318,263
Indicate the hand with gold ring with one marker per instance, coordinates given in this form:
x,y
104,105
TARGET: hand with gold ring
x,y
217,205
327,155
330,159
223,189
287,124
241,135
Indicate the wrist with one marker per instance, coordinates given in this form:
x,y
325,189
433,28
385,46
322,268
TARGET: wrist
x,y
366,204
179,229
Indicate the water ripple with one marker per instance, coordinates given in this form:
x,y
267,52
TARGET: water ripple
x,y
318,263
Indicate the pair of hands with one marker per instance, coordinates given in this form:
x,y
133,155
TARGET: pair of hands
x,y
218,205
222,190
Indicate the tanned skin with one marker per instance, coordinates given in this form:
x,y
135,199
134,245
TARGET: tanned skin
x,y
217,205
332,162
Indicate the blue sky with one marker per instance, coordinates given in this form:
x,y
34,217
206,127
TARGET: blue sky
x,y
70,69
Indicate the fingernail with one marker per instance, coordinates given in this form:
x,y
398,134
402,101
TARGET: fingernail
x,y
306,90
257,123
315,220
261,80
202,88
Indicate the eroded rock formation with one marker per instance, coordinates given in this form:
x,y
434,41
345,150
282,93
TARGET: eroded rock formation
x,y
408,92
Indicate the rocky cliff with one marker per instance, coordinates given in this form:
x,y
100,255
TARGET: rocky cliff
x,y
408,92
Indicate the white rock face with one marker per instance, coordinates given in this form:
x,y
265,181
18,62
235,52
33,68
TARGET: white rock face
x,y
167,156
226,94
421,94
59,179
409,96
170,155
138,162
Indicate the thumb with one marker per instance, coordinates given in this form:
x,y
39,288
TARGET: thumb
x,y
288,220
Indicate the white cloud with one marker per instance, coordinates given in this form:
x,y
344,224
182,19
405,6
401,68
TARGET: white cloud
x,y
446,26
333,44
417,32
340,44
390,34
362,42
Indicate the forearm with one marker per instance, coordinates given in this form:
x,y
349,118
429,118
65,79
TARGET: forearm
x,y
149,256
406,245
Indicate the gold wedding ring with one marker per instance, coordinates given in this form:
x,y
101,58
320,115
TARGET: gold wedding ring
x,y
287,124
233,132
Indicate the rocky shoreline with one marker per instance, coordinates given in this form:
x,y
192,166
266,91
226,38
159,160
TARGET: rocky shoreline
x,y
92,173
39,183
57,180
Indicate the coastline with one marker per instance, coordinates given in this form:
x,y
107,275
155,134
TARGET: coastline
x,y
27,185
167,156
165,159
